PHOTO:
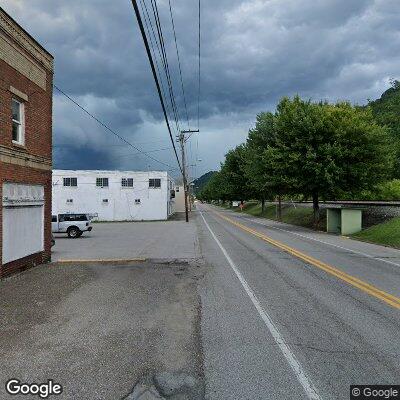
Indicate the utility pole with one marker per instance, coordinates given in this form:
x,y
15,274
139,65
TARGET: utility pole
x,y
182,140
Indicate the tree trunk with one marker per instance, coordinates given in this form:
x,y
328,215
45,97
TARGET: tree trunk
x,y
262,205
279,209
315,200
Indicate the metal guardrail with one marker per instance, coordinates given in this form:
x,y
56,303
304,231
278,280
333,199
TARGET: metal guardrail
x,y
344,203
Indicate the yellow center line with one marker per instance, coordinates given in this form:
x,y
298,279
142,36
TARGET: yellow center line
x,y
352,280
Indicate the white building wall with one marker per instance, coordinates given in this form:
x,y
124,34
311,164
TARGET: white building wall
x,y
179,199
121,204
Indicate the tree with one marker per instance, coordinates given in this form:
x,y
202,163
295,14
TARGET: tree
x,y
324,150
256,170
235,183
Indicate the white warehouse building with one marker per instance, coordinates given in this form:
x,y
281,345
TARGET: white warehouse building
x,y
114,195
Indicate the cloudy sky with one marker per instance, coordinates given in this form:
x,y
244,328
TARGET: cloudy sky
x,y
253,53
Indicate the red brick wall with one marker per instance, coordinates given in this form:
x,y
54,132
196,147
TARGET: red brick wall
x,y
38,142
38,112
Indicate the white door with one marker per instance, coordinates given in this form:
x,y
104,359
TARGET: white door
x,y
23,221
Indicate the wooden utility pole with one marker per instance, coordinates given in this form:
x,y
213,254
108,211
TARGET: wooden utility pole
x,y
182,140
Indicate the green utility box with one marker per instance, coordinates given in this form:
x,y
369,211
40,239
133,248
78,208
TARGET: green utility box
x,y
343,221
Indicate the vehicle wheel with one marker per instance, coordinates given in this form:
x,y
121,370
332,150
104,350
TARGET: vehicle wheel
x,y
73,232
80,233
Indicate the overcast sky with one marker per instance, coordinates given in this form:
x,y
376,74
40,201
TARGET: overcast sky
x,y
253,53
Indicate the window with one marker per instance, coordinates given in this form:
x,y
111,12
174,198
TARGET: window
x,y
105,201
127,182
69,201
17,122
177,189
70,182
154,183
137,201
102,182
54,218
72,217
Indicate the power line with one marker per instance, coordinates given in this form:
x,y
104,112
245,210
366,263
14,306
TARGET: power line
x,y
146,152
139,19
165,61
149,25
179,62
111,130
198,95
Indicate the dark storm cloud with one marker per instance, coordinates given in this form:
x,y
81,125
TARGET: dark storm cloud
x,y
253,53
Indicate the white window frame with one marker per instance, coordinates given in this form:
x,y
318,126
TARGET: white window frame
x,y
154,181
125,182
21,124
65,179
102,182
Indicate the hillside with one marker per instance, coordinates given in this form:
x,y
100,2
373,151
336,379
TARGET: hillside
x,y
200,182
386,110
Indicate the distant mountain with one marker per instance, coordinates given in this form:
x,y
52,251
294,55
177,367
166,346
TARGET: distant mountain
x,y
200,182
386,111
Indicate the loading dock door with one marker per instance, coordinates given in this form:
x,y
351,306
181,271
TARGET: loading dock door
x,y
23,221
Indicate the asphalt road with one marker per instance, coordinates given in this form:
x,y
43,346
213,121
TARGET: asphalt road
x,y
292,314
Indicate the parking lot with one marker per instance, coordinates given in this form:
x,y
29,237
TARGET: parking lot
x,y
109,330
165,240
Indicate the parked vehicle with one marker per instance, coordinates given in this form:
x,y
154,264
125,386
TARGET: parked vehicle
x,y
72,224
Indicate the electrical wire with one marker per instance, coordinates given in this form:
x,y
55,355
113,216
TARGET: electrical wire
x,y
198,95
165,62
108,128
150,29
149,55
179,63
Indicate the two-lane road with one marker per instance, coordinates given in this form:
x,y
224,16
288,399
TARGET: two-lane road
x,y
291,314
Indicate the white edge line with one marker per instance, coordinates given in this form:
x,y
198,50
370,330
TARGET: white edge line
x,y
321,241
301,376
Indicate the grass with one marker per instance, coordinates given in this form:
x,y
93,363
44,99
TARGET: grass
x,y
387,233
302,216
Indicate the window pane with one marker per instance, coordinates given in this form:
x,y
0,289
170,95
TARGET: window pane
x,y
74,182
16,128
98,182
16,111
105,181
157,183
151,182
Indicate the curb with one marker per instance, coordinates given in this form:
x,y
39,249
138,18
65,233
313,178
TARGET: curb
x,y
100,261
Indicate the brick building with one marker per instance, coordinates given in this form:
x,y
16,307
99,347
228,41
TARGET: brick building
x,y
26,75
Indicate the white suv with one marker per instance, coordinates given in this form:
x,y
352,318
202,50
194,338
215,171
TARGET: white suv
x,y
72,224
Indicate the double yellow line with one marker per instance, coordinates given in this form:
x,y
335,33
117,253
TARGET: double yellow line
x,y
358,283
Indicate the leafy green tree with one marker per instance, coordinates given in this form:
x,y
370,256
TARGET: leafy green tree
x,y
324,150
256,171
235,182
